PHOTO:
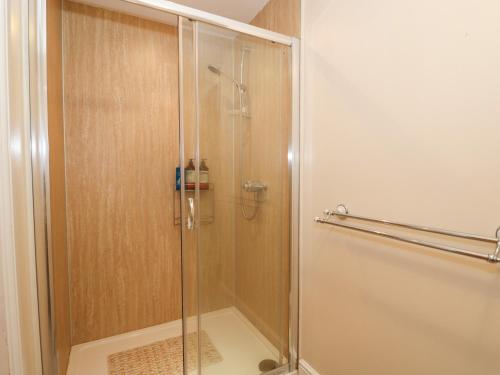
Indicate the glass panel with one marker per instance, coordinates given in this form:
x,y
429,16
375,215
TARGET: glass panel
x,y
244,114
186,185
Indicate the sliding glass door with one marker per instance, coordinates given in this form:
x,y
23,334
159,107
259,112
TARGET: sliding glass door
x,y
235,188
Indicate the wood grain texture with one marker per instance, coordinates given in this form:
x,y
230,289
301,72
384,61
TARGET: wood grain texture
x,y
263,251
210,286
121,123
189,238
217,129
242,263
282,16
59,258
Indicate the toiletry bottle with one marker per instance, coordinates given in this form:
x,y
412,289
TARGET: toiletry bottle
x,y
178,178
190,175
203,175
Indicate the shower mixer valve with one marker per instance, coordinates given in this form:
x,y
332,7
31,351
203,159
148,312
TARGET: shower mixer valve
x,y
254,186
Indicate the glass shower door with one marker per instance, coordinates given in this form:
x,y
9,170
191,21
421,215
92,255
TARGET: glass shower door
x,y
189,193
235,134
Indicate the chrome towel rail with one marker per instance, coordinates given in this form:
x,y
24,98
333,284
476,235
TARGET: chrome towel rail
x,y
342,212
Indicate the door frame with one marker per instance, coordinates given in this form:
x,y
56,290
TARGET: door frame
x,y
17,244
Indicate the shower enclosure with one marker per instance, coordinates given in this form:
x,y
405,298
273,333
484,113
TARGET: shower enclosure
x,y
234,196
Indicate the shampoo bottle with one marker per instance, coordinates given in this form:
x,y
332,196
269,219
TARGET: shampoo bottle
x,y
203,174
190,174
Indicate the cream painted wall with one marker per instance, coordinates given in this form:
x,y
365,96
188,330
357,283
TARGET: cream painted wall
x,y
4,350
402,115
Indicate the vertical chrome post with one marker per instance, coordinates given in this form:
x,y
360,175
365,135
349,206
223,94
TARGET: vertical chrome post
x,y
41,183
294,165
180,41
197,185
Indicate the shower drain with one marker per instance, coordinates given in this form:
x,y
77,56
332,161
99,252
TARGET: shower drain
x,y
267,365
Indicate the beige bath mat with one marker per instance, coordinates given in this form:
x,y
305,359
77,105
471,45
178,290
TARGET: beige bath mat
x,y
162,357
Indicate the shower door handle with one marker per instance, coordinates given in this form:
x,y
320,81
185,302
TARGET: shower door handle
x,y
190,218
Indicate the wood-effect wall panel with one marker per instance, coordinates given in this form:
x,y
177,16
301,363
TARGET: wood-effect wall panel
x,y
263,251
211,286
217,239
281,16
121,132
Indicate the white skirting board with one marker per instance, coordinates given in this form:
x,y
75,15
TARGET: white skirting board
x,y
306,369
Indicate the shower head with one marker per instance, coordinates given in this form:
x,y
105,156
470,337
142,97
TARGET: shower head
x,y
242,89
217,71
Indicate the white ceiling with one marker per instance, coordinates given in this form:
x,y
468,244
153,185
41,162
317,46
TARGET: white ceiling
x,y
241,10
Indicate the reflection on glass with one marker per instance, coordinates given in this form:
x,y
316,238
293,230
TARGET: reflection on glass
x,y
237,277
